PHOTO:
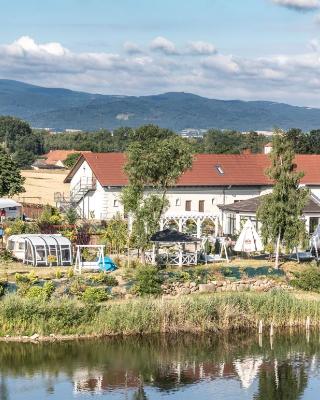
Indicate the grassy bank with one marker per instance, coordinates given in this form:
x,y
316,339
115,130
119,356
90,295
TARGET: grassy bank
x,y
197,313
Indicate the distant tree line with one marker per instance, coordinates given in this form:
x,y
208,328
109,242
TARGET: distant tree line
x,y
25,145
214,141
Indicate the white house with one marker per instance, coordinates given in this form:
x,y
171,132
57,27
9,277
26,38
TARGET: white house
x,y
97,179
233,216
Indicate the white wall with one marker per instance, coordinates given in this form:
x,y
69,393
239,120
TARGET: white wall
x,y
104,202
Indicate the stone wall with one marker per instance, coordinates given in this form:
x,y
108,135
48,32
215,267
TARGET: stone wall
x,y
256,285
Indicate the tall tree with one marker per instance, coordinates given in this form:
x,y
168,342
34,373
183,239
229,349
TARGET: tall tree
x,y
156,158
280,211
11,181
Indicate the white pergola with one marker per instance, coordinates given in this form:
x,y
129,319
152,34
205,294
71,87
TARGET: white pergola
x,y
180,256
181,219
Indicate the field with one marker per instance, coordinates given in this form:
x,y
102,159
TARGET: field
x,y
40,186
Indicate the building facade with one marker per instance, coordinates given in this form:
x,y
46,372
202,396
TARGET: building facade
x,y
97,179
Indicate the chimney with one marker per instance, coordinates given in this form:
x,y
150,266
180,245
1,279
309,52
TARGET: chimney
x,y
267,148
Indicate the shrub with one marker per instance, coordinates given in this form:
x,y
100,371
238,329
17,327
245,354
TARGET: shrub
x,y
35,292
49,288
2,287
308,280
6,255
25,281
58,272
77,287
105,279
94,295
148,281
41,293
70,273
18,227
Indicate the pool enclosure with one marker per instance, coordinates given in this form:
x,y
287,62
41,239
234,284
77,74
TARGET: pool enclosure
x,y
41,250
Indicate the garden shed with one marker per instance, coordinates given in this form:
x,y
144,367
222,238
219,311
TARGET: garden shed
x,y
173,248
41,250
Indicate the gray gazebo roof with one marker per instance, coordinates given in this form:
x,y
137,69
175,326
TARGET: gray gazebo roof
x,y
251,206
172,236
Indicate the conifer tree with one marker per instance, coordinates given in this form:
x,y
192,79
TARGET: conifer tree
x,y
281,211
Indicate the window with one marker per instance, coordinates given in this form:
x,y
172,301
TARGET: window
x,y
231,223
201,205
178,202
115,203
188,205
219,169
12,208
313,223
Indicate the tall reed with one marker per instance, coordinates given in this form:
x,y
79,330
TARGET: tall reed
x,y
196,313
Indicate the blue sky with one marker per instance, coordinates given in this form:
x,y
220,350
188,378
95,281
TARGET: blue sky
x,y
247,49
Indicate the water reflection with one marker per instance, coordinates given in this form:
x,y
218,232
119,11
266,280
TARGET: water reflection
x,y
164,367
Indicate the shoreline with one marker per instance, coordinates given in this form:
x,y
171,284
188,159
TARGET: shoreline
x,y
61,320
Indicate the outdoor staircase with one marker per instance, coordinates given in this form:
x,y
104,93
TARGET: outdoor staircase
x,y
77,193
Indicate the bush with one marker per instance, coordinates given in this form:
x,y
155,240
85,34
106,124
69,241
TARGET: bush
x,y
308,280
148,281
6,255
2,287
77,287
18,227
102,278
94,295
25,281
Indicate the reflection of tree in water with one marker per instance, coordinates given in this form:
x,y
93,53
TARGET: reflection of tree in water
x,y
140,394
284,382
4,395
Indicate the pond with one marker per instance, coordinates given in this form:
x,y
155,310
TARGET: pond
x,y
161,367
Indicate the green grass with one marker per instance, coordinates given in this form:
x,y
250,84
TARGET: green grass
x,y
196,314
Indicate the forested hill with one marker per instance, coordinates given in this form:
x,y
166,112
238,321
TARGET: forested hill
x,y
61,108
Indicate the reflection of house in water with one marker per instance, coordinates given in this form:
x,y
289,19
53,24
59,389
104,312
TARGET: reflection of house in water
x,y
97,381
167,376
247,370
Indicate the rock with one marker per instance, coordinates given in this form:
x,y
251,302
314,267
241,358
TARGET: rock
x,y
185,291
193,284
118,290
206,287
34,337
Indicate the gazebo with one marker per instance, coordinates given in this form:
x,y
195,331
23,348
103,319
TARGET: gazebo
x,y
181,254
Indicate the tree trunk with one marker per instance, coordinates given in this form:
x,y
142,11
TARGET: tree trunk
x,y
143,257
276,265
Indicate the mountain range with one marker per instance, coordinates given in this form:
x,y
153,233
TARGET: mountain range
x,y
61,109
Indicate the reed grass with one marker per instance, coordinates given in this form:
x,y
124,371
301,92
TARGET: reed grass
x,y
195,314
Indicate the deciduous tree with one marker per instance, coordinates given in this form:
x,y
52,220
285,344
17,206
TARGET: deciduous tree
x,y
156,158
11,181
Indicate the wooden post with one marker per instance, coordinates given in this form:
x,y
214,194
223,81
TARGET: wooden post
x,y
260,327
271,329
308,323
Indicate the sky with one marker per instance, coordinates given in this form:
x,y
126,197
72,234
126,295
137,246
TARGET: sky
x,y
224,49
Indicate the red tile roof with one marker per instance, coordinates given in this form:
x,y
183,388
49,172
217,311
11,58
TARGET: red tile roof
x,y
207,169
60,155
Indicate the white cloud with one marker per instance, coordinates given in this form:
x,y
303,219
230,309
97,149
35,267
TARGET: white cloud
x,y
292,78
131,48
301,5
200,47
164,45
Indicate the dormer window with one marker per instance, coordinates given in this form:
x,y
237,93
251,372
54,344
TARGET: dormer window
x,y
219,169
